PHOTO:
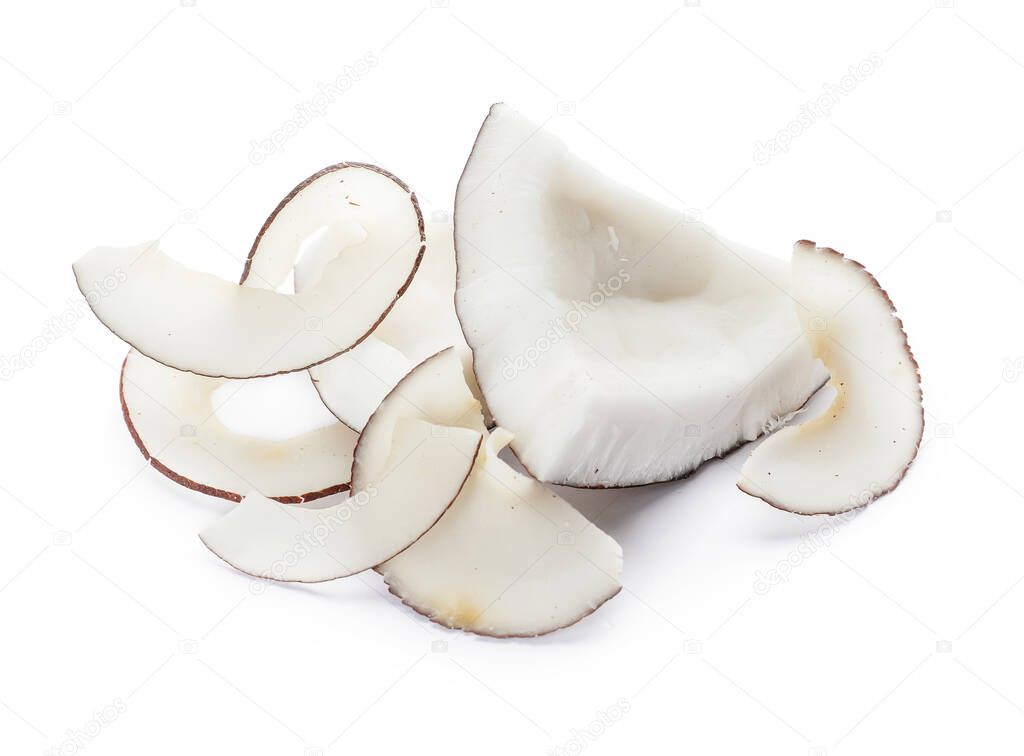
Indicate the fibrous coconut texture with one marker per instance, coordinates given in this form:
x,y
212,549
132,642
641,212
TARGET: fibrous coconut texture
x,y
621,341
194,321
861,446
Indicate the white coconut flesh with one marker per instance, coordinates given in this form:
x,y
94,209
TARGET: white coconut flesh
x,y
861,446
620,342
508,558
422,323
195,321
172,416
408,470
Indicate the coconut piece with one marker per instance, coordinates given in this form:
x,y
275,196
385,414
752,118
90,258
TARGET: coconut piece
x,y
171,415
194,321
861,446
423,475
621,341
434,392
508,559
422,323
409,465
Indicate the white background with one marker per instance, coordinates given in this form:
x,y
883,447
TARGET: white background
x,y
898,631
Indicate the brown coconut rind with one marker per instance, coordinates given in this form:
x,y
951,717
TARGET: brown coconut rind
x,y
424,612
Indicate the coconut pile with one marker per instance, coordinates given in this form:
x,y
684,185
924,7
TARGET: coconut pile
x,y
606,340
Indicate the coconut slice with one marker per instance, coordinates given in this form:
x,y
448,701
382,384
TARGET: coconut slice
x,y
509,558
422,323
410,464
270,540
194,321
434,392
862,445
171,416
622,342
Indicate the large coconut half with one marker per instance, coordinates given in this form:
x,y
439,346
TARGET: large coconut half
x,y
411,462
861,446
620,341
172,418
198,322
